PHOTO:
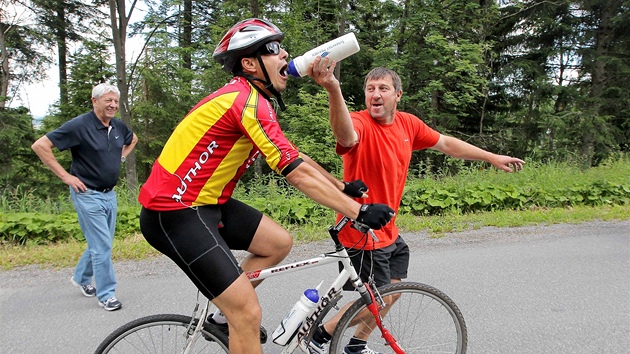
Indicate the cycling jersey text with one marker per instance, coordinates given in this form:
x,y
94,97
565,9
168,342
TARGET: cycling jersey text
x,y
203,158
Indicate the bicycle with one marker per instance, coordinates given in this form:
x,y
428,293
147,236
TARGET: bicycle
x,y
404,317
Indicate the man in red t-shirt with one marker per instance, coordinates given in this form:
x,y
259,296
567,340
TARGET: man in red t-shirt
x,y
376,146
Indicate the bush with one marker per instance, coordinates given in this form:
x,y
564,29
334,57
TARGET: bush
x,y
473,189
43,228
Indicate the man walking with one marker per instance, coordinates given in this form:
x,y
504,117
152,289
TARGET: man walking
x,y
99,143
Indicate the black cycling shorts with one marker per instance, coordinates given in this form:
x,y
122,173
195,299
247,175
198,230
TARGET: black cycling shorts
x,y
384,264
199,240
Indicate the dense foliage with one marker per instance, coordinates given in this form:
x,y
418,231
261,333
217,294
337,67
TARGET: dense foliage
x,y
544,81
22,220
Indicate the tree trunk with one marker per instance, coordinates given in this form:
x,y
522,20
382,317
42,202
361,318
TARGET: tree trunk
x,y
603,36
254,6
186,41
4,72
119,22
62,51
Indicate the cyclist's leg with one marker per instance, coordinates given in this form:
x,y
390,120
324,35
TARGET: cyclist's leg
x,y
271,244
239,304
190,237
268,244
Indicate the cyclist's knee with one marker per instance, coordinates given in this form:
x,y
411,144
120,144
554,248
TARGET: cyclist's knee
x,y
248,316
279,246
271,240
285,243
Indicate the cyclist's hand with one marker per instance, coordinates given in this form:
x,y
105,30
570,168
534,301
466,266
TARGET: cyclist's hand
x,y
355,189
375,215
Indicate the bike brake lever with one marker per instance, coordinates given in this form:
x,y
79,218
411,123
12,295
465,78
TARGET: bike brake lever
x,y
365,229
373,235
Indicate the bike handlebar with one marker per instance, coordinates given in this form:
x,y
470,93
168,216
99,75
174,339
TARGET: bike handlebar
x,y
356,225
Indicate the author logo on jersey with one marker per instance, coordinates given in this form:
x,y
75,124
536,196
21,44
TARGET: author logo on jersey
x,y
203,158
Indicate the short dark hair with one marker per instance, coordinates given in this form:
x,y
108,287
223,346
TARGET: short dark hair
x,y
379,73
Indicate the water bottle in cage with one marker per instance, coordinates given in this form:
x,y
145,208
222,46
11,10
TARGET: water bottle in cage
x,y
294,319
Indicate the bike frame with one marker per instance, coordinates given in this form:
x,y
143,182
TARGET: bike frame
x,y
333,294
362,318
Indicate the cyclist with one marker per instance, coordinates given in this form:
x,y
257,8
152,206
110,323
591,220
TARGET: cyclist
x,y
360,137
188,211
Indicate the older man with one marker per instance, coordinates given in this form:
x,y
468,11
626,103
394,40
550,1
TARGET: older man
x,y
99,143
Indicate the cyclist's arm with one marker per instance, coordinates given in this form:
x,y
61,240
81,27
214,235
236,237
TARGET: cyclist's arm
x,y
348,187
311,182
337,183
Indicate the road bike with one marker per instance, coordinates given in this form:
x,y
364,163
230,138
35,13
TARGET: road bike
x,y
403,317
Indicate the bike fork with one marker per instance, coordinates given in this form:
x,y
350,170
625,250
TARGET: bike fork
x,y
374,309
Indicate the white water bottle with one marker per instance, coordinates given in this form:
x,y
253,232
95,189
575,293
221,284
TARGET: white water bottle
x,y
293,320
337,49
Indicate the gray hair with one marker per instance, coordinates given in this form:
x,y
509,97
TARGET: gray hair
x,y
99,90
379,73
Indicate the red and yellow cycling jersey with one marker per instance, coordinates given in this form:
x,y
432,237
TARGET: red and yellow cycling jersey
x,y
213,146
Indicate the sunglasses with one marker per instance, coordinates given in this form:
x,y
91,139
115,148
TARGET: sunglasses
x,y
270,48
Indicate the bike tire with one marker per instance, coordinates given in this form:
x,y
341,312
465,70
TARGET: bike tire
x,y
164,333
422,320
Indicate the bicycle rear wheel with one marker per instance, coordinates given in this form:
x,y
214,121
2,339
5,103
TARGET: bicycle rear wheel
x,y
422,319
166,333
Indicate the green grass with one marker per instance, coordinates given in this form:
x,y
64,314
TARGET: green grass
x,y
436,225
535,175
67,254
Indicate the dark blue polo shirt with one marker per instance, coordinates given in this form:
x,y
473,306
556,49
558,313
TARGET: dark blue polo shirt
x,y
95,151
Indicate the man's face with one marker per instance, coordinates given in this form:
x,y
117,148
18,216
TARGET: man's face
x,y
106,106
275,59
381,99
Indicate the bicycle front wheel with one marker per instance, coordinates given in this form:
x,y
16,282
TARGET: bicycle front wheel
x,y
421,318
166,333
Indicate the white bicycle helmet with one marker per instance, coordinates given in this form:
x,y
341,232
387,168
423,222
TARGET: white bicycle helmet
x,y
244,39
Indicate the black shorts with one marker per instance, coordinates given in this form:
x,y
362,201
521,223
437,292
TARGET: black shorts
x,y
199,240
384,264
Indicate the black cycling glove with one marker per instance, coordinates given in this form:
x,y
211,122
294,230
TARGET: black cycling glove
x,y
355,188
375,215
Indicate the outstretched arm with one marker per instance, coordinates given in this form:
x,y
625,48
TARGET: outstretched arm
x,y
463,150
322,71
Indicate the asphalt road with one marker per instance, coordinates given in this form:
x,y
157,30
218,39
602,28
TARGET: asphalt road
x,y
544,289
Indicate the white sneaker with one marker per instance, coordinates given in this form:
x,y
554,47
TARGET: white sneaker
x,y
317,348
86,290
364,350
111,304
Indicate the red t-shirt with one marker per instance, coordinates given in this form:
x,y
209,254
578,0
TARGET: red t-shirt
x,y
213,146
381,159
